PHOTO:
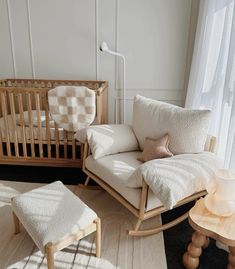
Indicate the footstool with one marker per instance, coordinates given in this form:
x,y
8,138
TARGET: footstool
x,y
55,218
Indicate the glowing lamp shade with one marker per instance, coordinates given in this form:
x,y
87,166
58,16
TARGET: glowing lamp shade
x,y
225,184
221,197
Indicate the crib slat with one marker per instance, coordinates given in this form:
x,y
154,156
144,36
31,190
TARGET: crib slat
x,y
29,108
13,113
74,148
22,123
81,151
99,109
57,141
48,133
65,141
1,151
4,114
37,101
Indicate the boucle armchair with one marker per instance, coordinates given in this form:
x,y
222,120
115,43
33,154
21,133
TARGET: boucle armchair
x,y
111,159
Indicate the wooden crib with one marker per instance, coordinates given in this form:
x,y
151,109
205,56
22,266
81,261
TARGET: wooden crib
x,y
28,135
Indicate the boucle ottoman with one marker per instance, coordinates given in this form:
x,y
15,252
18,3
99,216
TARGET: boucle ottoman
x,y
55,218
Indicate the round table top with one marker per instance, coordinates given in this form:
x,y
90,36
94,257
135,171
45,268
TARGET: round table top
x,y
205,222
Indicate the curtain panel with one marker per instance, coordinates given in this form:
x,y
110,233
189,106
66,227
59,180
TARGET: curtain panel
x,y
212,75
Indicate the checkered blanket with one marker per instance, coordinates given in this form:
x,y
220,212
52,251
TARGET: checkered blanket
x,y
71,107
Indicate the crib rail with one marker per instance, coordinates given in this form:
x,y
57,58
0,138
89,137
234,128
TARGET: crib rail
x,y
28,135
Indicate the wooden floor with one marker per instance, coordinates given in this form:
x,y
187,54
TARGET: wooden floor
x,y
118,249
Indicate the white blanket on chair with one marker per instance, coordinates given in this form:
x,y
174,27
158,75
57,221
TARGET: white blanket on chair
x,y
175,178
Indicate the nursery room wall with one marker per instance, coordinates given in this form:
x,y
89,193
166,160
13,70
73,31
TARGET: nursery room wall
x,y
59,39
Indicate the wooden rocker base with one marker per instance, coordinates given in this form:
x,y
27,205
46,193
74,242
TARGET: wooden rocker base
x,y
141,213
146,232
137,231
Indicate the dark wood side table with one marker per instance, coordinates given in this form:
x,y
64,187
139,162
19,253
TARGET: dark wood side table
x,y
208,225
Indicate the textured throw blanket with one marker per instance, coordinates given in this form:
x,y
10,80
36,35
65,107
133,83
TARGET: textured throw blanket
x,y
71,107
175,178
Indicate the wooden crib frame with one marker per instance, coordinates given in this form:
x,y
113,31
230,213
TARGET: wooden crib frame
x,y
21,143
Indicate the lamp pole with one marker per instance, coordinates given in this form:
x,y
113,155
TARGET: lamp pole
x,y
104,48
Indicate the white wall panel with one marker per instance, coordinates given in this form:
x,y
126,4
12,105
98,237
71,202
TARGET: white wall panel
x,y
6,55
20,29
154,36
170,96
107,31
63,34
60,38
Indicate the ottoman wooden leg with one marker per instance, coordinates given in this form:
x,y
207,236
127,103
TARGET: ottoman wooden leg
x,y
50,256
98,237
16,223
191,257
231,258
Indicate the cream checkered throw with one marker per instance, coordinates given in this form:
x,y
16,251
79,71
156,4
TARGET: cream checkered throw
x,y
72,107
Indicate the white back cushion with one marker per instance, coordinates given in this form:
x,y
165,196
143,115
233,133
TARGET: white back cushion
x,y
187,128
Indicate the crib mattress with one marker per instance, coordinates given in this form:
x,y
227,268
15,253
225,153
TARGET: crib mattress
x,y
62,135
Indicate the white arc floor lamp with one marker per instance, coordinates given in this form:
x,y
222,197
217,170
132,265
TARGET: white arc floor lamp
x,y
104,48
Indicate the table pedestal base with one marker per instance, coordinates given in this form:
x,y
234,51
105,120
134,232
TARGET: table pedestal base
x,y
191,257
194,251
231,258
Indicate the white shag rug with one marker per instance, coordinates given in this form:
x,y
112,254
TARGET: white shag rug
x,y
119,250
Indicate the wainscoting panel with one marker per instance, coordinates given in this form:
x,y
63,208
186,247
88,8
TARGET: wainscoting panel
x,y
154,39
21,37
63,35
7,57
175,97
60,39
107,25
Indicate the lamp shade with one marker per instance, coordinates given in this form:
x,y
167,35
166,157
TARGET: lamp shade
x,y
225,184
221,199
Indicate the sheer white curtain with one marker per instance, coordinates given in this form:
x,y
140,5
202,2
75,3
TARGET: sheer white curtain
x,y
212,76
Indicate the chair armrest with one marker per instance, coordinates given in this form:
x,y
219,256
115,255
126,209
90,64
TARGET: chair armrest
x,y
108,139
210,144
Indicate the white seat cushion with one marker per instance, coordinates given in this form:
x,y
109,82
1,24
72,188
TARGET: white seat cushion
x,y
51,212
115,170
